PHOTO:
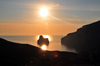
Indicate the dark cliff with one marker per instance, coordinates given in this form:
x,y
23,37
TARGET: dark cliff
x,y
86,38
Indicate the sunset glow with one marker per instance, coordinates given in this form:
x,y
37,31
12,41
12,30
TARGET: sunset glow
x,y
48,17
43,47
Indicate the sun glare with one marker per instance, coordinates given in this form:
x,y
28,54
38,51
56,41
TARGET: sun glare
x,y
45,36
43,47
44,12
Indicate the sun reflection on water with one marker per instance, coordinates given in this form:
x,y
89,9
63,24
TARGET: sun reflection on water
x,y
44,47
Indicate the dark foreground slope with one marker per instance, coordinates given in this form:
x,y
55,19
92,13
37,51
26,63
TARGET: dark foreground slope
x,y
84,39
15,54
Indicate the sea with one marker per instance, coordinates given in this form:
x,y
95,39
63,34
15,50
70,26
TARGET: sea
x,y
54,45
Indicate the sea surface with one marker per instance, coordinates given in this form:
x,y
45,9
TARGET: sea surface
x,y
55,43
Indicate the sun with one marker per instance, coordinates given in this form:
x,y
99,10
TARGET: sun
x,y
43,47
44,12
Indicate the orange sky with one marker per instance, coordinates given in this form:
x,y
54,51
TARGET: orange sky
x,y
21,17
35,29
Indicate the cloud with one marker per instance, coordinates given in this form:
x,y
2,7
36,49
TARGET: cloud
x,y
80,8
55,4
78,21
24,20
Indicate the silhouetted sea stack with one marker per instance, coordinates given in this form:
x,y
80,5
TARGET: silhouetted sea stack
x,y
86,38
43,41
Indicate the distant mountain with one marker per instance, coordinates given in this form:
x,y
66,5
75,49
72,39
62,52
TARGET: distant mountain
x,y
85,39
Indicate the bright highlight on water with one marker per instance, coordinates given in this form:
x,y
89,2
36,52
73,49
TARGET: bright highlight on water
x,y
43,47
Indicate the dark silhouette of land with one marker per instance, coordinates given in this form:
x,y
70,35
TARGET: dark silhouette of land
x,y
87,37
16,54
43,41
84,39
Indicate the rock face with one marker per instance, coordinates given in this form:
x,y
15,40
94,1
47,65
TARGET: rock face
x,y
84,39
43,41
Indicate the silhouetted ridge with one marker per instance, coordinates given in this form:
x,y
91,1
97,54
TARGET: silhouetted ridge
x,y
19,53
86,38
16,54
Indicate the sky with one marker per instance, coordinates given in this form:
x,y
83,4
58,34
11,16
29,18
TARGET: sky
x,y
21,17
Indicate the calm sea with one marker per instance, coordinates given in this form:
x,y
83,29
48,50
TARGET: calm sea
x,y
55,43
